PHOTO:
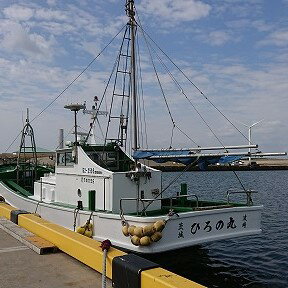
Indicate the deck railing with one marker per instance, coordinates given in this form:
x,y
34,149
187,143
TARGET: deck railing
x,y
247,192
143,201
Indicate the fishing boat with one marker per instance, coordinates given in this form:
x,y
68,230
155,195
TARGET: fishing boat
x,y
106,192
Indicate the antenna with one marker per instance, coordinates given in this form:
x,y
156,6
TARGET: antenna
x,y
94,112
75,108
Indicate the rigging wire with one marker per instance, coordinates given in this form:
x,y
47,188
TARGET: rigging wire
x,y
172,182
182,91
79,75
191,82
159,83
238,178
70,84
103,96
189,100
172,134
114,86
174,125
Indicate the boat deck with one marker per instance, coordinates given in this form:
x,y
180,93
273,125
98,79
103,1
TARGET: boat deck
x,y
202,205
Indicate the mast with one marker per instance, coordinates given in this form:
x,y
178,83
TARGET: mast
x,y
131,14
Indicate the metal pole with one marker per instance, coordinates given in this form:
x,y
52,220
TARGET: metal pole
x,y
75,123
131,14
249,139
61,139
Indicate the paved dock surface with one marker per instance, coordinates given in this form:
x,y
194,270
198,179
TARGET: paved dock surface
x,y
20,267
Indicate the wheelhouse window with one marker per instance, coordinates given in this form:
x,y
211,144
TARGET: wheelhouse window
x,y
65,158
105,159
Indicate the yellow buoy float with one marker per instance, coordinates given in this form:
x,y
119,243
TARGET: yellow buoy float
x,y
86,230
145,241
159,225
156,236
131,229
148,230
144,236
135,240
125,230
138,231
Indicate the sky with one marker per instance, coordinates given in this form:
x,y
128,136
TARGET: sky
x,y
235,51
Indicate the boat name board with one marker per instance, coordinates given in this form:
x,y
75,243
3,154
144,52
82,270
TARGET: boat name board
x,y
90,170
211,226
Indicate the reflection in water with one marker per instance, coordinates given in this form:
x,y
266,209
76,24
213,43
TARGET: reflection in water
x,y
259,261
195,263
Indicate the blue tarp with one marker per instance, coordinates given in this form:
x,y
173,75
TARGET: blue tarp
x,y
202,162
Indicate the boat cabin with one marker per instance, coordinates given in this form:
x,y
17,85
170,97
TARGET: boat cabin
x,y
97,178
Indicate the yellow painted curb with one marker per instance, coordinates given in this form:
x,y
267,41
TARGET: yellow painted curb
x,y
5,210
161,278
78,246
89,252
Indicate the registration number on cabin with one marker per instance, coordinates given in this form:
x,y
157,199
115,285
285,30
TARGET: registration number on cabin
x,y
92,171
87,180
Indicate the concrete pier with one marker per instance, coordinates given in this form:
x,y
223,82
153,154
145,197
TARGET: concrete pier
x,y
22,267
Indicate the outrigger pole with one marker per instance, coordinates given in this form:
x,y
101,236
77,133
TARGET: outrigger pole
x,y
203,148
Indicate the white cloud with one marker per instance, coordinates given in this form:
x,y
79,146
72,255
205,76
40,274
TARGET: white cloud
x,y
54,28
238,8
242,90
15,38
245,23
51,2
50,14
175,11
18,12
218,38
277,38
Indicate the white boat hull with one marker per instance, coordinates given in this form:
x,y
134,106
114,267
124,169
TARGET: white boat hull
x,y
188,229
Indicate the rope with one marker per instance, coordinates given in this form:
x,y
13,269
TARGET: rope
x,y
75,213
104,269
37,207
105,245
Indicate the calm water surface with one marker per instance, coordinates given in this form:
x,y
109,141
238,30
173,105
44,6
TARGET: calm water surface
x,y
256,261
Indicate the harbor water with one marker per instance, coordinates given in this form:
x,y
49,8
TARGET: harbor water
x,y
255,261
